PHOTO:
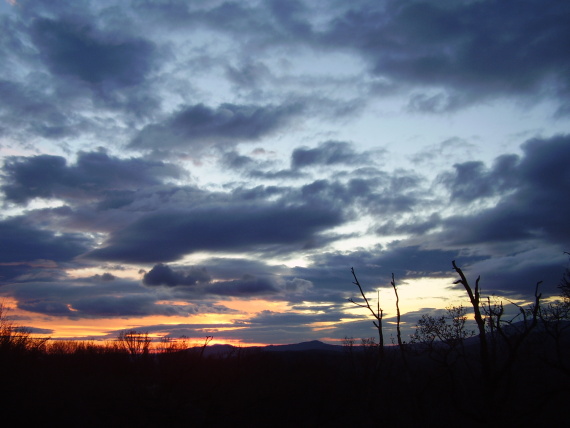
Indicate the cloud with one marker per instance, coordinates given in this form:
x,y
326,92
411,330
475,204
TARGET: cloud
x,y
198,282
51,121
246,286
461,52
94,174
327,154
169,235
375,266
319,87
198,127
28,251
471,180
33,254
249,75
162,274
104,277
532,195
83,298
79,51
277,319
64,63
517,274
229,268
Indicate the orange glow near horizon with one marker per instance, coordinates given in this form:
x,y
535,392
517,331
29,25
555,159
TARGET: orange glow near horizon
x,y
423,293
255,305
103,329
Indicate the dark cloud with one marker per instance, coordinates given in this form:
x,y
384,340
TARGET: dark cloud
x,y
104,277
86,299
374,267
197,283
533,196
65,65
23,242
465,50
471,180
248,75
162,274
229,17
267,318
89,74
51,121
327,154
94,173
80,51
27,250
167,236
234,267
516,275
259,193
236,161
92,297
198,127
379,194
252,167
416,226
517,199
247,286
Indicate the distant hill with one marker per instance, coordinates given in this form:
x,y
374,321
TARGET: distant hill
x,y
229,350
316,345
313,345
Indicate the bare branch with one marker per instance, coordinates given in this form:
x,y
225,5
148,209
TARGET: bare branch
x,y
378,314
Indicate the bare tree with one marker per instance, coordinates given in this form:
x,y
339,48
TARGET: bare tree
x,y
398,322
169,345
496,373
564,285
444,334
14,338
378,314
475,298
206,341
136,343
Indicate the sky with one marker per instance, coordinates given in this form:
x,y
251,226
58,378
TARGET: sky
x,y
216,168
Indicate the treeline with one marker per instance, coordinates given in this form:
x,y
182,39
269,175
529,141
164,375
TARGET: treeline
x,y
508,371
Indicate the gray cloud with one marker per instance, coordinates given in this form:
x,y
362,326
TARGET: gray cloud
x,y
162,274
248,75
193,81
464,50
95,173
51,121
83,298
471,180
532,192
516,275
375,266
246,286
78,50
327,154
167,236
198,127
28,252
196,282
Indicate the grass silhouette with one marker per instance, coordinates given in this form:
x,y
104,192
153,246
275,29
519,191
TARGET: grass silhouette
x,y
442,381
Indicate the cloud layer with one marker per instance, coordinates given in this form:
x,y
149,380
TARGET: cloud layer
x,y
176,160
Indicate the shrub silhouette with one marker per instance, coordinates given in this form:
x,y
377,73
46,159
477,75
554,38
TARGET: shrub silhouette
x,y
124,383
15,339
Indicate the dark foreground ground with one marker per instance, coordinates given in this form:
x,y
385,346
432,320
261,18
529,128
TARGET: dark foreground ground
x,y
253,388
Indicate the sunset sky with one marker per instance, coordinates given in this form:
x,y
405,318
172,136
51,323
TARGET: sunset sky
x,y
217,167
